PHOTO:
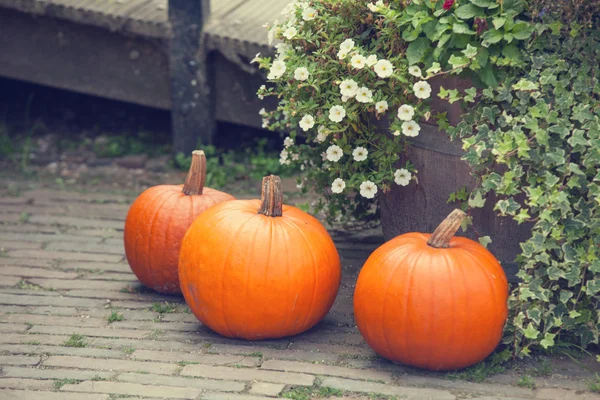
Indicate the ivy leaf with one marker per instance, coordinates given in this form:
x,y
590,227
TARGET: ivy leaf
x,y
434,69
548,340
484,3
525,84
416,50
592,287
468,11
477,201
470,51
485,240
457,61
462,28
488,76
530,332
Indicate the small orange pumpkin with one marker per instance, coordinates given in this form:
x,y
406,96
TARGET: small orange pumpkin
x,y
432,301
157,221
259,269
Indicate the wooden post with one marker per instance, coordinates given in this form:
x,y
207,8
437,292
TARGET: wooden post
x,y
192,112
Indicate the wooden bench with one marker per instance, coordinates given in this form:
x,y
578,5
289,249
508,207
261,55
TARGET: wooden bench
x,y
187,56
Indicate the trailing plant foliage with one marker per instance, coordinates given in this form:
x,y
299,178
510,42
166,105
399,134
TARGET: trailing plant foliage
x,y
534,141
531,133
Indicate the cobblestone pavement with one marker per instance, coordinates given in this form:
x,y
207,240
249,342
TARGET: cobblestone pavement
x,y
63,279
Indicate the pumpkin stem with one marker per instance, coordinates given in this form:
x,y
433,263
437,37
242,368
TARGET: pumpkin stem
x,y
440,239
271,203
194,183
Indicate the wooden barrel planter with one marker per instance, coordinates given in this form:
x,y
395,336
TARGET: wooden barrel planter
x,y
419,207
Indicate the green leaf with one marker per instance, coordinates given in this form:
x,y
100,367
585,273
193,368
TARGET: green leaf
x,y
530,332
592,287
525,84
468,11
416,50
548,340
522,30
485,240
434,69
462,28
484,3
457,61
488,76
476,201
491,36
498,22
470,51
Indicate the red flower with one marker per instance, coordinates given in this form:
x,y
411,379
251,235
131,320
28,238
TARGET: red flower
x,y
448,4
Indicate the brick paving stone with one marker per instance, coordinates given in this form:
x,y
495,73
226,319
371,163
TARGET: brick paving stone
x,y
167,326
60,350
13,328
125,278
248,374
74,221
267,389
19,360
280,354
36,291
333,348
42,237
561,394
38,373
147,298
92,332
9,281
19,245
329,370
210,359
95,266
53,320
87,247
101,233
128,304
27,272
320,336
10,218
64,255
80,284
8,394
501,398
110,365
27,262
205,384
408,393
179,318
20,338
25,384
133,389
231,396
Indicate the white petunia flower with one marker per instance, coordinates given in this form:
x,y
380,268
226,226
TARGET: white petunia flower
x,y
422,90
384,68
295,157
256,58
411,129
265,123
273,32
368,189
288,141
309,14
263,113
348,88
337,113
277,70
381,106
347,46
322,134
371,60
415,71
402,177
406,112
301,74
345,99
364,95
358,61
307,122
284,155
289,8
334,153
338,185
342,54
396,133
360,154
290,32
261,89
376,7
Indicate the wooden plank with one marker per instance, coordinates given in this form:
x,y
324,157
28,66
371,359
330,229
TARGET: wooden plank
x,y
84,59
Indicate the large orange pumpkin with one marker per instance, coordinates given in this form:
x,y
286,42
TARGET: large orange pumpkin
x,y
157,222
432,301
258,269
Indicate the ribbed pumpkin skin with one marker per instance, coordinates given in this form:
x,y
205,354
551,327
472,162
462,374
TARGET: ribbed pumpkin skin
x,y
251,276
155,225
438,309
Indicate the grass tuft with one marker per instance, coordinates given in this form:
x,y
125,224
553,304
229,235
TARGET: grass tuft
x,y
115,316
76,340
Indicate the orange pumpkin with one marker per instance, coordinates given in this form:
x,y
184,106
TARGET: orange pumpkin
x,y
432,301
157,222
259,269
